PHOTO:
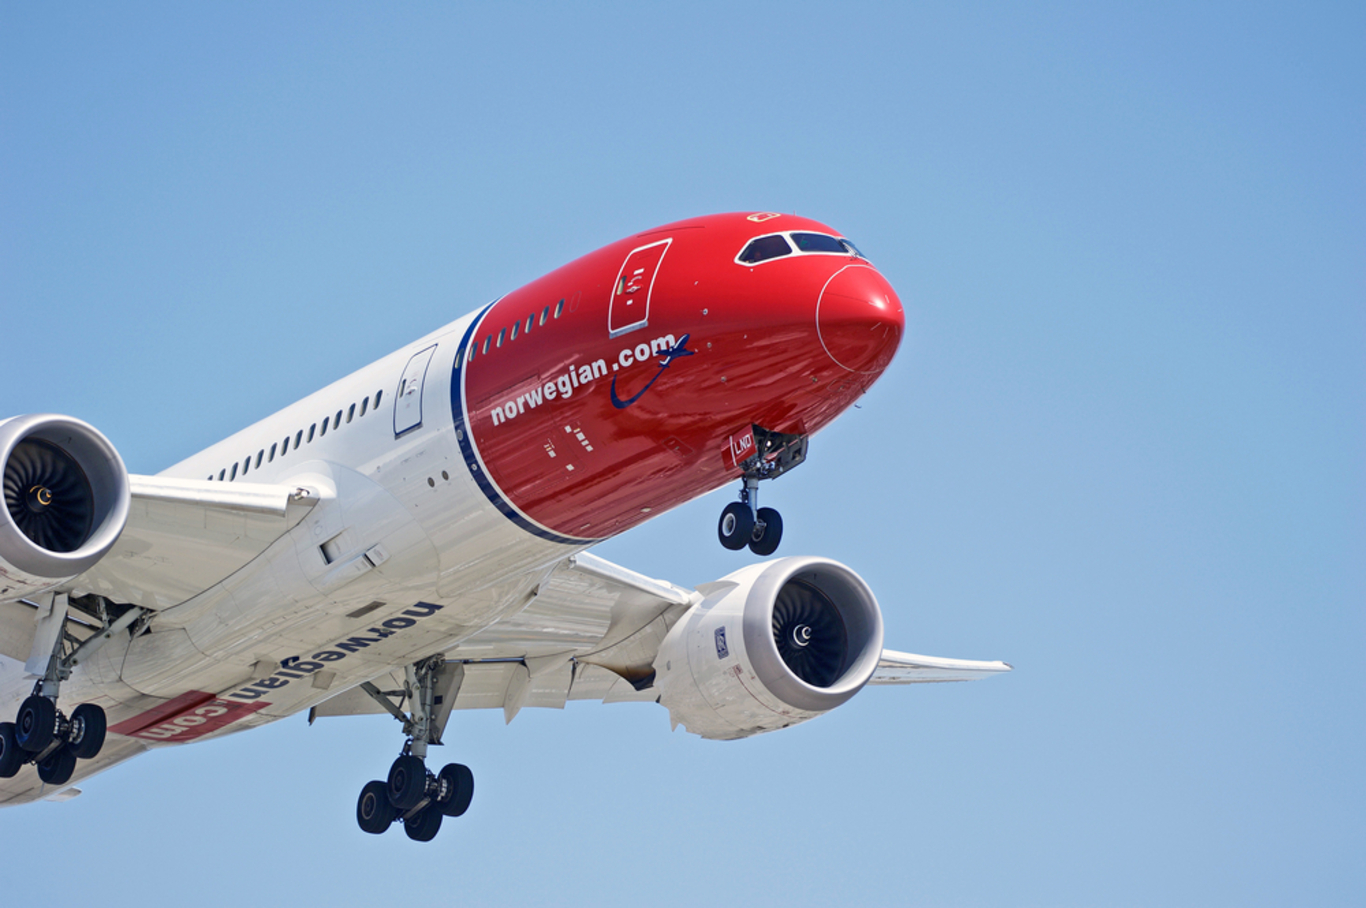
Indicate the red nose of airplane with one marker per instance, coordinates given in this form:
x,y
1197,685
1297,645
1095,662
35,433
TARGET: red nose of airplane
x,y
859,319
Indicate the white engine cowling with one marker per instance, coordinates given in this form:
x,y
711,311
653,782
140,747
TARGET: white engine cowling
x,y
66,501
771,645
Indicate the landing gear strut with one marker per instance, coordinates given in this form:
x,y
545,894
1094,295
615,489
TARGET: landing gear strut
x,y
412,793
42,733
744,523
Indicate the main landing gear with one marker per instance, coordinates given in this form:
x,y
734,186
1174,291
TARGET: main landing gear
x,y
412,793
744,523
42,733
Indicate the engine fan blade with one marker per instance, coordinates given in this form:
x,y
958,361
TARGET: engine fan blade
x,y
48,496
810,634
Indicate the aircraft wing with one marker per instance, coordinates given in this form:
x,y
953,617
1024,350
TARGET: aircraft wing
x,y
908,668
184,535
592,633
592,628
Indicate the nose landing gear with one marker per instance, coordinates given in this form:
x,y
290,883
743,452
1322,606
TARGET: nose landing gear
x,y
412,793
744,523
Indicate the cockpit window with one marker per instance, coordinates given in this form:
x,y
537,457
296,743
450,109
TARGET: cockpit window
x,y
776,245
817,242
764,248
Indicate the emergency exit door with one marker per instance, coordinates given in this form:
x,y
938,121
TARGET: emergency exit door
x,y
408,400
630,306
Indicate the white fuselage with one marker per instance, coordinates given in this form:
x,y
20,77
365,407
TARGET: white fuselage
x,y
448,558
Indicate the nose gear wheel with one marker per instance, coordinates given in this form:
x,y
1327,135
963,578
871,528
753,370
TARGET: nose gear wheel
x,y
743,523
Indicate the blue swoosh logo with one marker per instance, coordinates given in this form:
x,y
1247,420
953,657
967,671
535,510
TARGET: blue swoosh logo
x,y
673,353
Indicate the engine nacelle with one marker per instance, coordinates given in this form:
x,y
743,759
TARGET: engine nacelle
x,y
66,501
772,645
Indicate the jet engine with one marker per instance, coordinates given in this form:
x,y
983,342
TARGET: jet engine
x,y
769,646
66,501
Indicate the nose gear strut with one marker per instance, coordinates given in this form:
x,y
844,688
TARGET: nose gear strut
x,y
744,523
412,793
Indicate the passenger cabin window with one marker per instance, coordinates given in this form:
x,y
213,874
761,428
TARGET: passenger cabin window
x,y
764,248
378,395
324,431
311,429
234,473
559,307
299,438
545,314
364,404
260,456
515,326
221,473
502,332
351,413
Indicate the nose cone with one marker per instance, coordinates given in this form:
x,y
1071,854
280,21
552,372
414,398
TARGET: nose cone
x,y
859,319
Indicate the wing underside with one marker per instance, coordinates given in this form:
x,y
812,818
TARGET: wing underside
x,y
183,536
592,633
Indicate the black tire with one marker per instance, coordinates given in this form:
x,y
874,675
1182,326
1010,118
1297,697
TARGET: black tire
x,y
12,756
374,813
56,768
37,724
424,826
765,541
407,782
88,726
458,784
735,526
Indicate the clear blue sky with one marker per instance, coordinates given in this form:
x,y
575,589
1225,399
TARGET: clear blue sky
x,y
1123,446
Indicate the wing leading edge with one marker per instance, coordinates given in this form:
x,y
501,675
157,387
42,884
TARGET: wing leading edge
x,y
909,668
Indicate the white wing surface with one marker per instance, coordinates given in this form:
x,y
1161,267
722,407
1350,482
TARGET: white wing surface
x,y
592,628
183,536
592,633
909,668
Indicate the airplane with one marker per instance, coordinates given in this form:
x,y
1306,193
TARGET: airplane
x,y
412,539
